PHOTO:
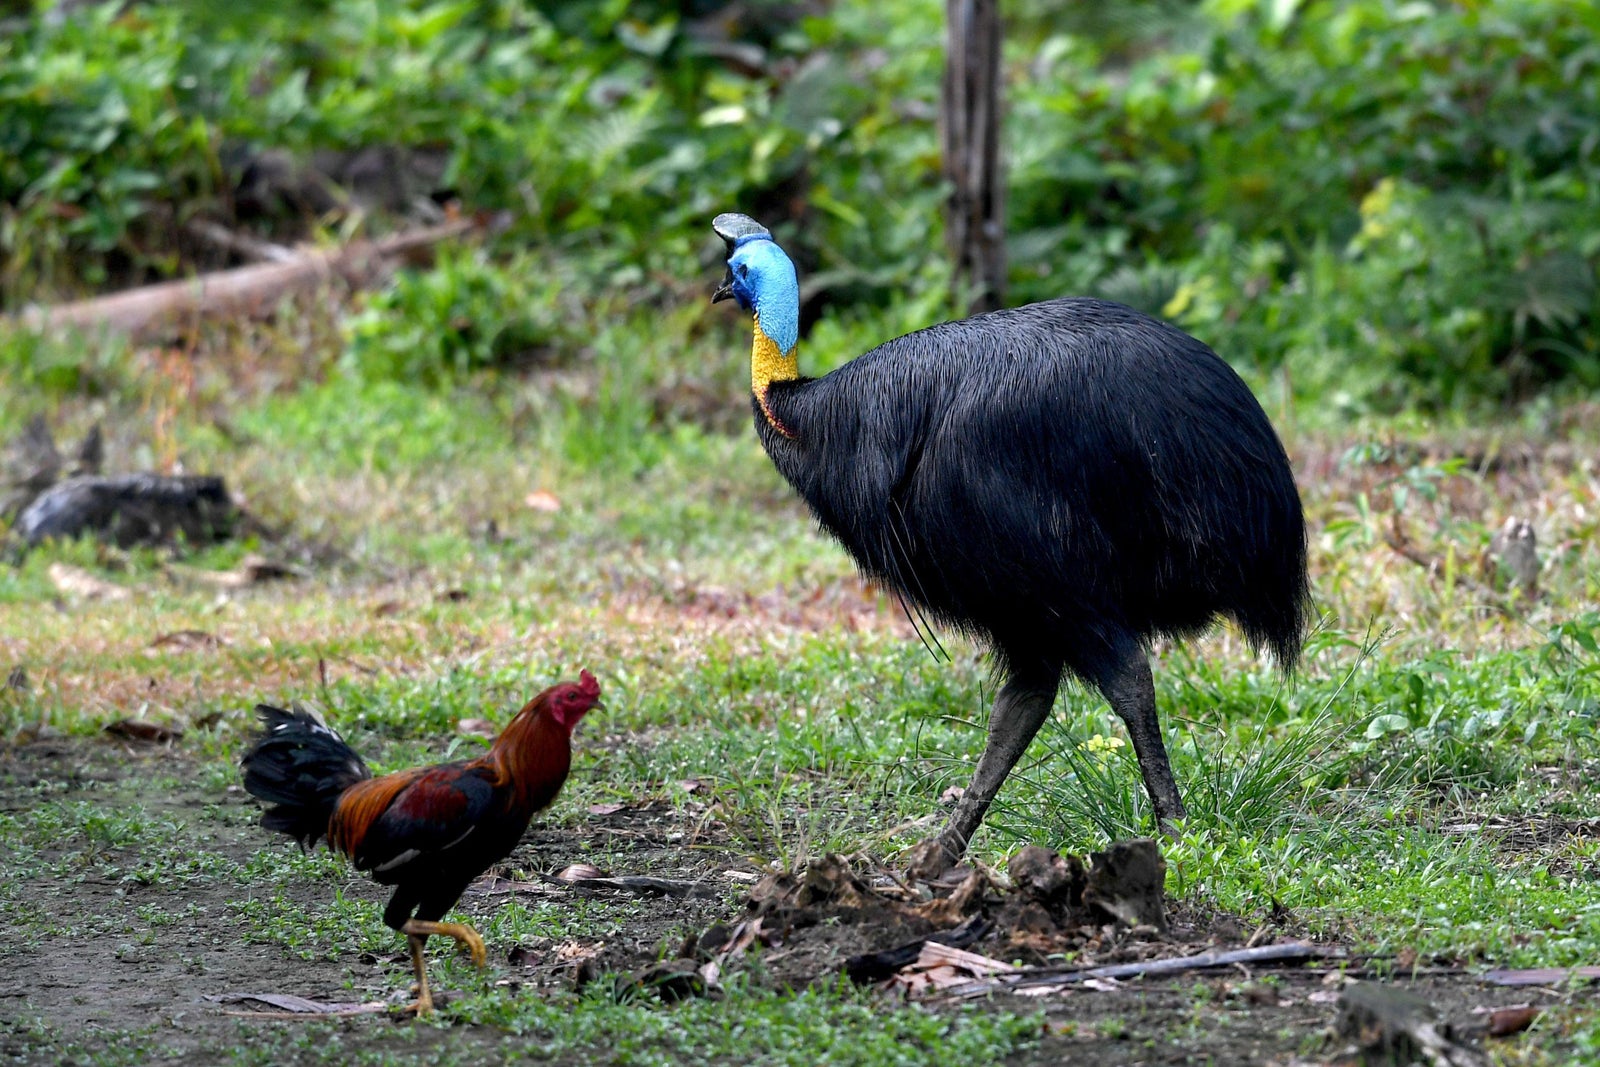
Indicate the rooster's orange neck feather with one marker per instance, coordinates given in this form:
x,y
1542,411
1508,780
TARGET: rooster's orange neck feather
x,y
533,753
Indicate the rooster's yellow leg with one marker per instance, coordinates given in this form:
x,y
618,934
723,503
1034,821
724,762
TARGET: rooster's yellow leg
x,y
460,931
424,1003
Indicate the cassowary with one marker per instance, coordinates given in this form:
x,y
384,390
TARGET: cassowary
x,y
1064,481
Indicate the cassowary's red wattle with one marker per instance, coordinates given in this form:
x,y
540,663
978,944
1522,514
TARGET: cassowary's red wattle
x,y
1065,481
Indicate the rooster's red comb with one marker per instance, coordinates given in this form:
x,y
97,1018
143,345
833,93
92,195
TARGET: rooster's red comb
x,y
588,685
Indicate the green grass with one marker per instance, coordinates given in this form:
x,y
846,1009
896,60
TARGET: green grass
x,y
739,653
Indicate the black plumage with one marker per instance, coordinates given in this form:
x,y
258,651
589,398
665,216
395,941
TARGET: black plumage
x,y
300,766
1065,481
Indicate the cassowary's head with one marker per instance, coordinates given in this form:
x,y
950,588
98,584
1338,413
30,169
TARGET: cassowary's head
x,y
760,277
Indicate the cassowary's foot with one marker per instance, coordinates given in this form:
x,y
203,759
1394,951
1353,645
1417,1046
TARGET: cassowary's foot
x,y
466,935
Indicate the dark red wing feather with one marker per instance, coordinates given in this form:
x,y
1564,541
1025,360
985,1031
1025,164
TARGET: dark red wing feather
x,y
420,814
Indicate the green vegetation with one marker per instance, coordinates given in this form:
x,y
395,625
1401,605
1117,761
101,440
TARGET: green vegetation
x,y
534,455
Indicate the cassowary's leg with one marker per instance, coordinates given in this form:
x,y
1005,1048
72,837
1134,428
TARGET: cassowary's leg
x,y
1132,693
1019,711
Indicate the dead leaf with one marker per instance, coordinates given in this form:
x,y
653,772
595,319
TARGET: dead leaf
x,y
577,950
453,596
477,728
952,910
939,967
387,608
542,500
252,570
75,581
1503,1022
290,1005
578,872
18,679
952,794
140,730
496,885
1541,975
608,808
189,640
690,785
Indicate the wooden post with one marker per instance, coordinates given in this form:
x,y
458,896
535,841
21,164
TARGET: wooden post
x,y
970,132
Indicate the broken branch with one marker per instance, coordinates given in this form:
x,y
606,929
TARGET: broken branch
x,y
151,312
1055,977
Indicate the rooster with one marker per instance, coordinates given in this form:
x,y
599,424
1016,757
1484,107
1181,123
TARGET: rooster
x,y
427,831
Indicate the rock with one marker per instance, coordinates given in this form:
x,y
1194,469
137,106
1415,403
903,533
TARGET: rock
x,y
1393,1026
1047,877
1513,556
1127,882
131,509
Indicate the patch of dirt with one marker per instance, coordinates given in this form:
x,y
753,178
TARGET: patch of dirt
x,y
88,958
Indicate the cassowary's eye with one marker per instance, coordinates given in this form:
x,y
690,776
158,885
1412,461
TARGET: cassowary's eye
x,y
744,270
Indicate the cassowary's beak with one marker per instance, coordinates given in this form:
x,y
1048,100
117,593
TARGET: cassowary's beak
x,y
725,290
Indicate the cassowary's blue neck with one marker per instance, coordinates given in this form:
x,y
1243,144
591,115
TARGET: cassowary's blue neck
x,y
772,358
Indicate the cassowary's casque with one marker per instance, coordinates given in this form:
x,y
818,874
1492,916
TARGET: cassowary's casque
x,y
1064,480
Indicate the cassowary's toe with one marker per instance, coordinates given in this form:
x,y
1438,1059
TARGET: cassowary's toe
x,y
930,858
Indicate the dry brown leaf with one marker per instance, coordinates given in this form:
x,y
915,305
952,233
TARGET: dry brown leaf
x,y
608,808
289,1005
542,500
952,910
577,950
75,581
252,570
477,728
939,967
140,730
1504,1022
387,608
578,872
189,640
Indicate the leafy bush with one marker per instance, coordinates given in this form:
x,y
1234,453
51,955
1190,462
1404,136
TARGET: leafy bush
x,y
1347,189
462,315
1391,204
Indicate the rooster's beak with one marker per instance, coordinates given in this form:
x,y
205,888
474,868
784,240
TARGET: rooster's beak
x,y
725,290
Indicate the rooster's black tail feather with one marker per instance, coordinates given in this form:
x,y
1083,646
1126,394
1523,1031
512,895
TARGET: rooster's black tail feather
x,y
299,765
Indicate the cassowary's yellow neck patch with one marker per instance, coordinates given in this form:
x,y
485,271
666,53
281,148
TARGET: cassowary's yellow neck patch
x,y
768,364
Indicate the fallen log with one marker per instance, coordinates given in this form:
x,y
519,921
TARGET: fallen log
x,y
131,509
153,312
